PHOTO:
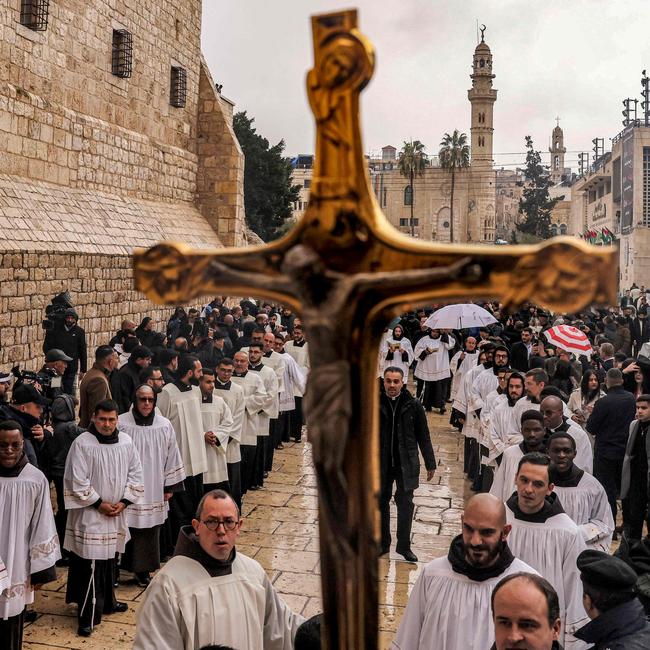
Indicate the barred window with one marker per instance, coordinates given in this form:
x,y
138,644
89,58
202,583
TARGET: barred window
x,y
178,87
122,62
34,14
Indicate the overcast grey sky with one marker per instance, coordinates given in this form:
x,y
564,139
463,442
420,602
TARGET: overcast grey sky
x,y
575,59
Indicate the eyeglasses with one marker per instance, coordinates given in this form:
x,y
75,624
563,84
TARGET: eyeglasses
x,y
15,446
145,399
213,524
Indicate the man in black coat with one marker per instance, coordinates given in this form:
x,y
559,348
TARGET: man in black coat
x,y
521,350
403,429
610,423
67,336
127,378
640,330
617,617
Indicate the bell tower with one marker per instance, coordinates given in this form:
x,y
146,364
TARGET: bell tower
x,y
482,97
557,150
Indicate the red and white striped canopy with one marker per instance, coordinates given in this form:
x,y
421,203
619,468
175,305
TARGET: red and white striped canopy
x,y
569,338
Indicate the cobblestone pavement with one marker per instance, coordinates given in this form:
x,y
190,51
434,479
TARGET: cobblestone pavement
x,y
280,532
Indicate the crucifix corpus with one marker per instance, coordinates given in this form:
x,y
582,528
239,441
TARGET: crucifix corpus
x,y
347,272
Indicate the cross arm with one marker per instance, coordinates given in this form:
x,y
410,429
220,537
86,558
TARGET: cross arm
x,y
173,273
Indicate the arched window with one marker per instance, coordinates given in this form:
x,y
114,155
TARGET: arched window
x,y
408,195
562,229
556,163
481,63
553,230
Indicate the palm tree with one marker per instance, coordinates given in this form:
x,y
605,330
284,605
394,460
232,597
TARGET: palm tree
x,y
453,155
412,161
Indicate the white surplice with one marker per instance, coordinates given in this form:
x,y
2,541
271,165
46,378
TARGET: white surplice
x,y
389,344
464,402
434,366
28,540
217,418
300,353
503,484
162,466
503,431
449,611
254,398
587,505
552,547
183,410
93,471
233,396
275,361
271,408
458,373
293,377
494,399
186,609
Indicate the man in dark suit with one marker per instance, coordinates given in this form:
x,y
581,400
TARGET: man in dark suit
x,y
634,481
610,422
640,330
520,352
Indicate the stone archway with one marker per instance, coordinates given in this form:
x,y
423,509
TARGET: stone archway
x,y
442,230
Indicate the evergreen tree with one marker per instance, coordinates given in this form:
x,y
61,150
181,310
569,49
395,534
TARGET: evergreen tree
x,y
536,205
268,192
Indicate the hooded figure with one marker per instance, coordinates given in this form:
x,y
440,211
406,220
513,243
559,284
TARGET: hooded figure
x,y
66,430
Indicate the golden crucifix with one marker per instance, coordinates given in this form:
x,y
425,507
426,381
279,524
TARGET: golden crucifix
x,y
348,272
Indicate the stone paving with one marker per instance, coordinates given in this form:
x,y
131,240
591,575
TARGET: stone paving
x,y
280,532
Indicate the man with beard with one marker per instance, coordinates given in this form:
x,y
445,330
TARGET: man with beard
x,y
432,369
152,376
446,609
503,430
233,396
396,352
180,403
533,433
546,538
551,409
583,498
461,363
255,398
28,539
103,476
163,474
402,430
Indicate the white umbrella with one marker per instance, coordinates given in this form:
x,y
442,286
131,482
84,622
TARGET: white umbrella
x,y
458,317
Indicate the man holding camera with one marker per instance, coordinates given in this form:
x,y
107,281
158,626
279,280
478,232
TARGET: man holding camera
x,y
56,363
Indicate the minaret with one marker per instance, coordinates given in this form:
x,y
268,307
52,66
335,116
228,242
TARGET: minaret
x,y
557,150
482,97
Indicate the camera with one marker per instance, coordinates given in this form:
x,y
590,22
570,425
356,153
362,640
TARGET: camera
x,y
44,379
55,311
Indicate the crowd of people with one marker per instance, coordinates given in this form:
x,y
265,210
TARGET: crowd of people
x,y
553,442
151,452
153,449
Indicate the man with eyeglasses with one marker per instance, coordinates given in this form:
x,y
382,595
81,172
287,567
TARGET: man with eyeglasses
x,y
28,541
163,474
209,594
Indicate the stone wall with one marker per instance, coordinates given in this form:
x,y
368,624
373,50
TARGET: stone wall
x,y
101,287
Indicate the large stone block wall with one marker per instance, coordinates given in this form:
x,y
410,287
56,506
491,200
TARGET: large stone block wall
x,y
102,291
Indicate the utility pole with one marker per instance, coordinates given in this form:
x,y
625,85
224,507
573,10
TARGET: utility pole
x,y
629,113
645,92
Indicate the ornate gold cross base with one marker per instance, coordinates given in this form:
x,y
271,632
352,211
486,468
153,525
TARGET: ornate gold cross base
x,y
347,272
